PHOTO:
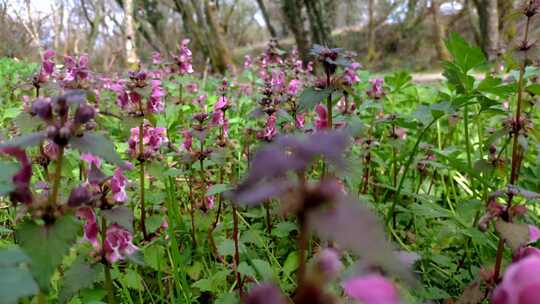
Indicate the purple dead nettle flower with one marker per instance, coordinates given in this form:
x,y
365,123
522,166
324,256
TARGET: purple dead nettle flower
x,y
371,289
520,283
118,186
51,150
91,159
321,121
90,226
265,294
349,75
75,69
156,58
300,121
118,243
328,263
153,139
184,58
269,131
376,90
192,87
200,101
156,104
188,140
294,86
248,62
21,180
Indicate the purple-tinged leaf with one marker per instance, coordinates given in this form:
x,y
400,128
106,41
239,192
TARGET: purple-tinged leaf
x,y
24,141
255,194
98,145
120,215
516,235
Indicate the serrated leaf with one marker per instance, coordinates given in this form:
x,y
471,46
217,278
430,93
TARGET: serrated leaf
x,y
97,144
465,56
16,283
47,245
12,256
283,229
226,248
132,280
120,215
154,256
24,141
263,269
515,235
310,97
246,270
79,276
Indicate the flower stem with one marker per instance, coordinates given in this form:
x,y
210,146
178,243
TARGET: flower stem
x,y
106,265
141,181
516,150
53,198
236,250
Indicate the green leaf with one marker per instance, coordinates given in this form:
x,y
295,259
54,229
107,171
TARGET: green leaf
x,y
311,96
46,245
515,235
120,215
12,256
265,271
227,298
154,256
24,141
6,176
132,280
246,270
79,276
465,56
217,189
534,89
204,285
226,248
16,283
98,145
283,229
291,263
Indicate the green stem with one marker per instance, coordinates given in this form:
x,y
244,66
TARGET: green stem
x,y
141,181
106,265
53,198
467,141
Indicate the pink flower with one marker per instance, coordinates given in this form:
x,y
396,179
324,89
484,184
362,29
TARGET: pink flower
x,y
300,120
184,59
153,139
534,234
156,58
90,227
269,131
47,65
76,69
222,104
200,100
155,102
376,91
51,150
91,159
329,263
118,186
218,118
21,180
371,289
209,202
248,62
520,284
245,89
118,244
188,140
278,80
349,75
192,87
293,87
321,121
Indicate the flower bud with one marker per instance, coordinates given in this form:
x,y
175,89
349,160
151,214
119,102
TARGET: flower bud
x,y
84,113
63,136
52,132
79,196
61,106
42,108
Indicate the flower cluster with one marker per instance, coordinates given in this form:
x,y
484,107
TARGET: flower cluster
x,y
153,139
184,59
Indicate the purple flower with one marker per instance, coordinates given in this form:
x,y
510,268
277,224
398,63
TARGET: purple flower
x,y
200,100
90,226
278,80
321,121
118,186
248,62
269,131
329,263
300,120
75,68
47,65
184,59
349,75
222,104
520,284
534,233
192,87
21,180
156,58
293,87
91,159
209,202
376,90
371,289
153,138
118,244
188,140
265,294
51,150
156,103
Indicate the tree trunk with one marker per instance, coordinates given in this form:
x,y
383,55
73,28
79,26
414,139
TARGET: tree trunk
x,y
371,50
438,33
217,39
292,10
264,12
488,25
318,20
132,60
